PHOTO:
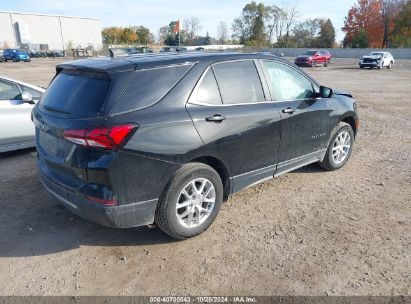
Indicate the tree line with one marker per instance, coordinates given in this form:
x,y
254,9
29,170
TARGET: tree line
x,y
369,23
378,24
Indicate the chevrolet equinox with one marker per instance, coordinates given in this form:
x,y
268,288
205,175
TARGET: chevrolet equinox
x,y
165,138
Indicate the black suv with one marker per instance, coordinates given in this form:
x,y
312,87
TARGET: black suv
x,y
165,138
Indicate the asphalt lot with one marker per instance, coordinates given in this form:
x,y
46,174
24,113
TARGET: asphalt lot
x,y
309,232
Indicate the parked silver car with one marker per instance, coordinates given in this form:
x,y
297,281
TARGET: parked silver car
x,y
16,102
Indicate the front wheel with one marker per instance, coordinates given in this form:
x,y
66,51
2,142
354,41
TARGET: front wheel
x,y
190,202
340,147
390,65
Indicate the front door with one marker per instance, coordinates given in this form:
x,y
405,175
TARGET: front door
x,y
305,117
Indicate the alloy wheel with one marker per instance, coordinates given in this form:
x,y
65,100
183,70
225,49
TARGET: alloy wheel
x,y
341,147
195,202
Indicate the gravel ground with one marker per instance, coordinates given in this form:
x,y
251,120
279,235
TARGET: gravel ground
x,y
309,232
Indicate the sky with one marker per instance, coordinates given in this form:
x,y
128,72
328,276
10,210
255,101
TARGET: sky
x,y
156,13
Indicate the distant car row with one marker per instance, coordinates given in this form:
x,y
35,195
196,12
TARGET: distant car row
x,y
377,60
17,55
43,54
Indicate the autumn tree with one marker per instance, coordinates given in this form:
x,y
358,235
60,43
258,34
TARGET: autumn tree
x,y
365,14
401,35
144,36
112,35
360,39
390,9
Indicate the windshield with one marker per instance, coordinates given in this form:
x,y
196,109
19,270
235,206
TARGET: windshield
x,y
310,53
377,54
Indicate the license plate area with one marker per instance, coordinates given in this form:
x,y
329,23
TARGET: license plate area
x,y
55,146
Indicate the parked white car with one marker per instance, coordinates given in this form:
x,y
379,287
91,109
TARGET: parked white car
x,y
16,102
377,60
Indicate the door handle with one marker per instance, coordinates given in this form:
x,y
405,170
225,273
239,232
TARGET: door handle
x,y
289,110
216,118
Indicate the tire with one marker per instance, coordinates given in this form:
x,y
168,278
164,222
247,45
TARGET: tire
x,y
333,161
170,219
326,63
389,66
313,63
361,67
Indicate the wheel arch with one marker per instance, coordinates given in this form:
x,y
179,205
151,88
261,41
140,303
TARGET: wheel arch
x,y
352,122
221,169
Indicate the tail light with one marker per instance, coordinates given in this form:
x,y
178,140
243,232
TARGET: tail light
x,y
111,202
108,138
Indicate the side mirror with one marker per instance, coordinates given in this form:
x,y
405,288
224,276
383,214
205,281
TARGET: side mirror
x,y
26,97
325,92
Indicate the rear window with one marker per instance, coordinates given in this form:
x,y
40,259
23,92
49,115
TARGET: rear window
x,y
149,86
76,93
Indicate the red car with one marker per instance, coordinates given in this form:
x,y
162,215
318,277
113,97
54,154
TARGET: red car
x,y
313,57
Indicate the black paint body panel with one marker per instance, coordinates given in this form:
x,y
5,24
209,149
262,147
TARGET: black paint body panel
x,y
254,142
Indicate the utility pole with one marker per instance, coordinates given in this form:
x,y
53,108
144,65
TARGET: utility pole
x,y
179,33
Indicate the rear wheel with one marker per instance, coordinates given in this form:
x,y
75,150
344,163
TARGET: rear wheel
x,y
339,148
190,202
326,63
390,65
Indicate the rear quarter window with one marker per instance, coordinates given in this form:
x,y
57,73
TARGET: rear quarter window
x,y
149,86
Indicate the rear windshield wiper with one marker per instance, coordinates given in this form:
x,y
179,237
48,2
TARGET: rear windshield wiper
x,y
48,108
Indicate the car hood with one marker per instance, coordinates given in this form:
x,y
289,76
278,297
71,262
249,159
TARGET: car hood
x,y
343,93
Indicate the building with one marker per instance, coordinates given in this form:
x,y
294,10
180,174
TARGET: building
x,y
48,32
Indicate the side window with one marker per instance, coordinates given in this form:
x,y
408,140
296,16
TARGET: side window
x,y
208,91
239,82
148,86
9,91
286,83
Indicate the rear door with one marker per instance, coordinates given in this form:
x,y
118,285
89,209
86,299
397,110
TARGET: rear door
x,y
305,127
15,123
238,126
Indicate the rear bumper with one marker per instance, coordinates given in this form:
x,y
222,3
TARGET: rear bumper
x,y
123,216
